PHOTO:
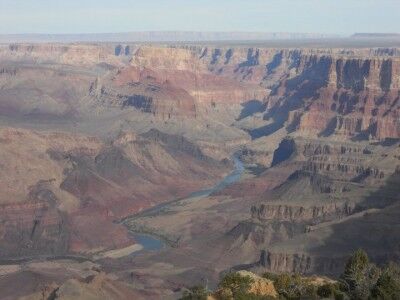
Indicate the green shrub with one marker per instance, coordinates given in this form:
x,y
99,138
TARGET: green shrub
x,y
251,296
359,276
270,276
325,291
310,292
195,293
388,284
339,295
223,294
239,285
294,287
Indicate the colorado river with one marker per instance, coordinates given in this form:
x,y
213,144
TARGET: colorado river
x,y
152,242
233,177
144,241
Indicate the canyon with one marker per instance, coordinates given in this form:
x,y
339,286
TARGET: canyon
x,y
229,157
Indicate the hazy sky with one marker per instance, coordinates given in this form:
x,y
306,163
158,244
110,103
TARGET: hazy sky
x,y
89,16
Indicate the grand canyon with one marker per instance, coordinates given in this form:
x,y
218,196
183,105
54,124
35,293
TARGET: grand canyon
x,y
136,170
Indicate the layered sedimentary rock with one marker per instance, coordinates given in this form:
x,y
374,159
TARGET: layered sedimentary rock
x,y
300,213
42,91
328,185
343,96
351,93
318,127
301,263
93,287
68,54
171,81
32,229
59,189
143,89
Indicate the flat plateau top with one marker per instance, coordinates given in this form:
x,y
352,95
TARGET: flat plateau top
x,y
335,42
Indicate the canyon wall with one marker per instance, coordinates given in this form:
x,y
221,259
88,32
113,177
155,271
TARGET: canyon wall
x,y
330,191
347,93
60,189
322,123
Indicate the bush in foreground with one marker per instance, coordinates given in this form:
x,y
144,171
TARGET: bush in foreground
x,y
237,284
360,280
388,284
195,293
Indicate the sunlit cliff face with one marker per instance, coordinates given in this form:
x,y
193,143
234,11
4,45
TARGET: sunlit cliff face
x,y
92,136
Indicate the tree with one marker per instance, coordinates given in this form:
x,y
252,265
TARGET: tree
x,y
293,286
195,293
239,285
287,285
325,290
388,284
359,276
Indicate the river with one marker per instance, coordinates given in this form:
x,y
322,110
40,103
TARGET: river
x,y
149,242
153,242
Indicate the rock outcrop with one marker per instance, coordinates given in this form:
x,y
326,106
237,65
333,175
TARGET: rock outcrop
x,y
68,54
98,132
260,286
60,189
342,96
98,286
329,185
173,81
349,93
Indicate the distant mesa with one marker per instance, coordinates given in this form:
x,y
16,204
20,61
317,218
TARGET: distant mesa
x,y
375,35
160,36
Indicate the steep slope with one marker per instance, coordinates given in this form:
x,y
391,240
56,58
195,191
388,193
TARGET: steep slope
x,y
97,286
173,81
343,96
65,54
350,93
32,91
328,185
60,189
124,127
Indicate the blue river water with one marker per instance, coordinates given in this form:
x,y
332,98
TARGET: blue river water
x,y
149,242
233,177
153,242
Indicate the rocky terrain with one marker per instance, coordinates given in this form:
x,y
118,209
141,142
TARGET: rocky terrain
x,y
58,188
100,142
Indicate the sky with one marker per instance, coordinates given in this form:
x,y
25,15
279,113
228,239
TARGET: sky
x,y
103,16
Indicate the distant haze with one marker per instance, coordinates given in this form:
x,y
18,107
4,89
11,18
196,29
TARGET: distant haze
x,y
343,17
162,36
257,39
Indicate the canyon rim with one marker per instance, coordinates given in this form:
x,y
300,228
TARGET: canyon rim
x,y
136,165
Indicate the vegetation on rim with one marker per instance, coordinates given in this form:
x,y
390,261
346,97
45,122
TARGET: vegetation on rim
x,y
360,280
